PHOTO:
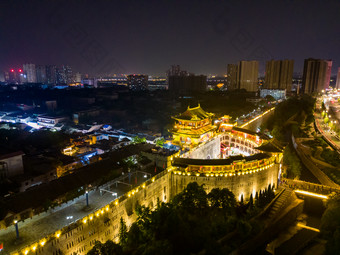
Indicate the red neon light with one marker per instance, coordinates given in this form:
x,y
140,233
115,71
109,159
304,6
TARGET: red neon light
x,y
12,70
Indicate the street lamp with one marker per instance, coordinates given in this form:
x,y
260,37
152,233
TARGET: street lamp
x,y
87,198
16,228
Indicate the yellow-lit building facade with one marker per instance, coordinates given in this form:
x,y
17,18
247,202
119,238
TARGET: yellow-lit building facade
x,y
193,127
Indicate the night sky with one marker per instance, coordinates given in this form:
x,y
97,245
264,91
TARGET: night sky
x,y
98,37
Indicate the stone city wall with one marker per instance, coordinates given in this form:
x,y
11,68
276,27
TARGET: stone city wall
x,y
103,224
244,184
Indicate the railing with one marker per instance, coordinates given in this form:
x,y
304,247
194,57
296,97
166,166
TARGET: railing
x,y
303,185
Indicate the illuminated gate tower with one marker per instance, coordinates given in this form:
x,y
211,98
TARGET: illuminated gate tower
x,y
192,127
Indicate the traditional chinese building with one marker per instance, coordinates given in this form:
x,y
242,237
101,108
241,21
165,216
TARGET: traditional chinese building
x,y
192,127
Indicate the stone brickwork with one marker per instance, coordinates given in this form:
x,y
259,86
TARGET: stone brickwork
x,y
103,224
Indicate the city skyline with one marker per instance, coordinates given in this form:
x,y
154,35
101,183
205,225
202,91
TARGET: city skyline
x,y
149,37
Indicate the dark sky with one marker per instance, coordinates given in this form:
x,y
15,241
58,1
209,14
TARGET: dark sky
x,y
142,36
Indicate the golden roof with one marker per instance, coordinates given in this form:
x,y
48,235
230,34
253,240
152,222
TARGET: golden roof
x,y
195,114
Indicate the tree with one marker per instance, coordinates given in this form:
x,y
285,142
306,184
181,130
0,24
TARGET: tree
x,y
292,161
122,232
192,197
257,199
138,139
330,226
251,201
222,198
160,142
108,248
270,98
134,237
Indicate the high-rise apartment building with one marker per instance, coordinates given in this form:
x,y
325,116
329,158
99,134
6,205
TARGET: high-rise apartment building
x,y
248,75
14,76
232,76
316,75
337,85
41,74
243,75
64,75
186,84
51,74
68,74
279,74
137,81
175,70
30,72
77,78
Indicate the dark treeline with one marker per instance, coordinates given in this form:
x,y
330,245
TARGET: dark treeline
x,y
289,116
292,116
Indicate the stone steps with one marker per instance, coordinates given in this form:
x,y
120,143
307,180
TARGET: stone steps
x,y
279,203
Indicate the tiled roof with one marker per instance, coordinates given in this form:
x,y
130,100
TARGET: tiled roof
x,y
196,113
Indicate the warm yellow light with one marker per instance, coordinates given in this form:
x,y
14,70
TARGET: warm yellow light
x,y
107,208
15,221
116,203
153,179
84,220
97,214
129,195
33,247
307,227
26,251
143,186
197,174
42,242
57,235
102,211
311,194
220,85
91,217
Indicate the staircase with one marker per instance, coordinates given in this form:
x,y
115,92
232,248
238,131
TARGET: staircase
x,y
279,203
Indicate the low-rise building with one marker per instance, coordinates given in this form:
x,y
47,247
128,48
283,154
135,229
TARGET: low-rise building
x,y
13,163
49,121
276,93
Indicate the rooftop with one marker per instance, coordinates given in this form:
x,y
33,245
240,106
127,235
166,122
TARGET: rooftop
x,y
271,146
196,113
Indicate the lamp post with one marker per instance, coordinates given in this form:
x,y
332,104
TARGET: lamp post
x,y
16,228
87,198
